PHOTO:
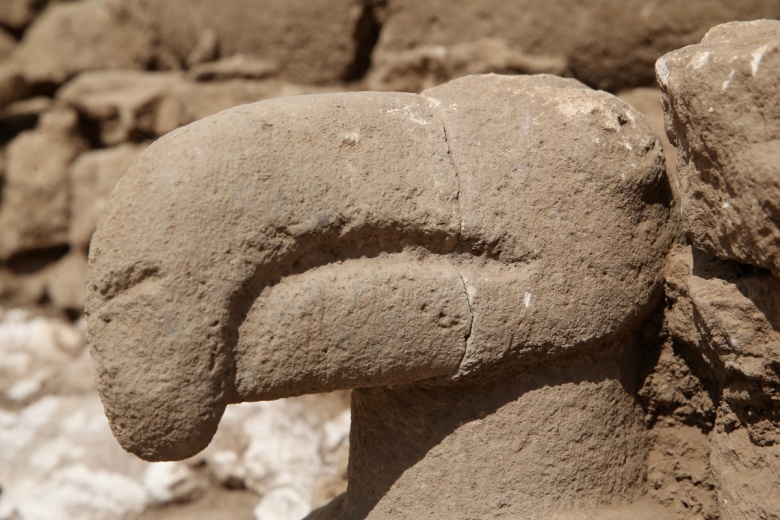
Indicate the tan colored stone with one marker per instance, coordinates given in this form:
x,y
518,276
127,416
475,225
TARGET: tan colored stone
x,y
34,210
311,41
719,99
426,66
7,45
608,44
552,197
647,100
233,67
73,37
122,102
567,439
731,318
134,105
539,223
748,476
12,84
17,14
92,178
65,282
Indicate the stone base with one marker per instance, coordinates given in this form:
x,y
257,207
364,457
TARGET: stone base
x,y
559,440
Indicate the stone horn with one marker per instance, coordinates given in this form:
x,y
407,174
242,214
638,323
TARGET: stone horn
x,y
353,240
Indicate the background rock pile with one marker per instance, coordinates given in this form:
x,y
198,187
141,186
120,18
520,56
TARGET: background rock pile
x,y
86,85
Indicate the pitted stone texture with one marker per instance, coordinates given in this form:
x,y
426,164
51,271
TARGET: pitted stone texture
x,y
609,44
311,42
647,101
375,305
73,37
569,197
568,439
730,315
720,99
277,186
748,476
446,235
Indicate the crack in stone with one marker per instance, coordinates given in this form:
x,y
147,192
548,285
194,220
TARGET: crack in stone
x,y
457,174
468,336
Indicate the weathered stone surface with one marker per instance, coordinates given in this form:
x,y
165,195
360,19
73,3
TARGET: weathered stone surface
x,y
567,440
311,42
748,476
92,177
17,14
426,66
233,67
542,222
134,105
65,282
12,84
73,37
34,209
122,102
648,102
730,316
554,197
7,45
173,482
605,43
720,102
388,307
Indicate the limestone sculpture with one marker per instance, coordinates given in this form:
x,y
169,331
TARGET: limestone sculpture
x,y
473,261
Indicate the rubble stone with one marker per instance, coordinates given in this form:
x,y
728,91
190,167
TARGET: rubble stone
x,y
73,37
719,101
139,106
604,43
35,207
310,42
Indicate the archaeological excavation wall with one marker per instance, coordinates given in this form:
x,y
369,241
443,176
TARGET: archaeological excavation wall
x,y
542,300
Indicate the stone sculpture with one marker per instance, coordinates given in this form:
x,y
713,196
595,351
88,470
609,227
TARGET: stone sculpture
x,y
474,261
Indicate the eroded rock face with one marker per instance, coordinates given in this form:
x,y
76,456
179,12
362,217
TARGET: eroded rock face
x,y
134,105
37,169
74,37
19,13
721,111
518,448
7,45
729,314
311,42
462,237
605,43
720,98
